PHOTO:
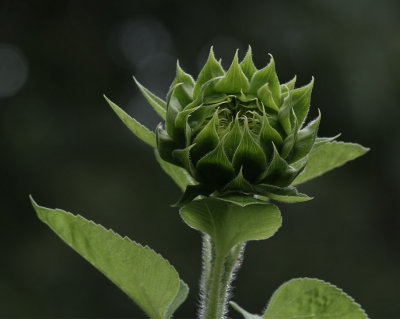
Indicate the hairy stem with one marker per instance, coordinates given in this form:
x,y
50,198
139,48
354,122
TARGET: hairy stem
x,y
218,272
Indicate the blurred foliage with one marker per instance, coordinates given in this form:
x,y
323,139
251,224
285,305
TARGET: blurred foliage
x,y
62,143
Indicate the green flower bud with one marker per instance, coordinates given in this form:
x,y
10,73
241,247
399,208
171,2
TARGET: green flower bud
x,y
239,131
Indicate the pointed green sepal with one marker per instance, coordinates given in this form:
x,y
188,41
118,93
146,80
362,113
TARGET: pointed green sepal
x,y
284,113
305,140
215,168
241,199
211,69
234,80
247,64
290,140
206,140
178,174
184,92
285,87
183,156
166,145
239,183
134,126
191,192
174,107
281,194
301,99
265,96
268,135
232,139
158,104
249,156
266,75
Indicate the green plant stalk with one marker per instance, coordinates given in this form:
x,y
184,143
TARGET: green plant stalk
x,y
218,272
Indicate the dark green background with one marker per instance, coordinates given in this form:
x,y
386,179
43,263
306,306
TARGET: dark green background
x,y
63,144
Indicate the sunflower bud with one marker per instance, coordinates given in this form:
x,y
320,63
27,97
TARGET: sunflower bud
x,y
238,131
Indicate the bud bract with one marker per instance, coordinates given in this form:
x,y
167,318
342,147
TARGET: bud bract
x,y
237,131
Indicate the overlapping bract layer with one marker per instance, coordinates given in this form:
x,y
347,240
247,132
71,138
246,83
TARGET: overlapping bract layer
x,y
239,131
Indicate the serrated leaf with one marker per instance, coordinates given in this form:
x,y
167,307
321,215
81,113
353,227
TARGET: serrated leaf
x,y
134,126
308,298
179,175
229,224
301,99
211,69
312,298
247,64
328,156
146,277
234,80
158,104
266,75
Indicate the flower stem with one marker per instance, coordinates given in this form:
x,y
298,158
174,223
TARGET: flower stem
x,y
218,270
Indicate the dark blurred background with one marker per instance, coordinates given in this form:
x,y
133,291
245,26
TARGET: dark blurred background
x,y
61,143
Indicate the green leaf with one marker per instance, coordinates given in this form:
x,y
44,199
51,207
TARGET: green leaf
x,y
147,278
158,104
301,99
247,64
135,127
211,69
312,298
179,175
234,80
328,156
229,224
